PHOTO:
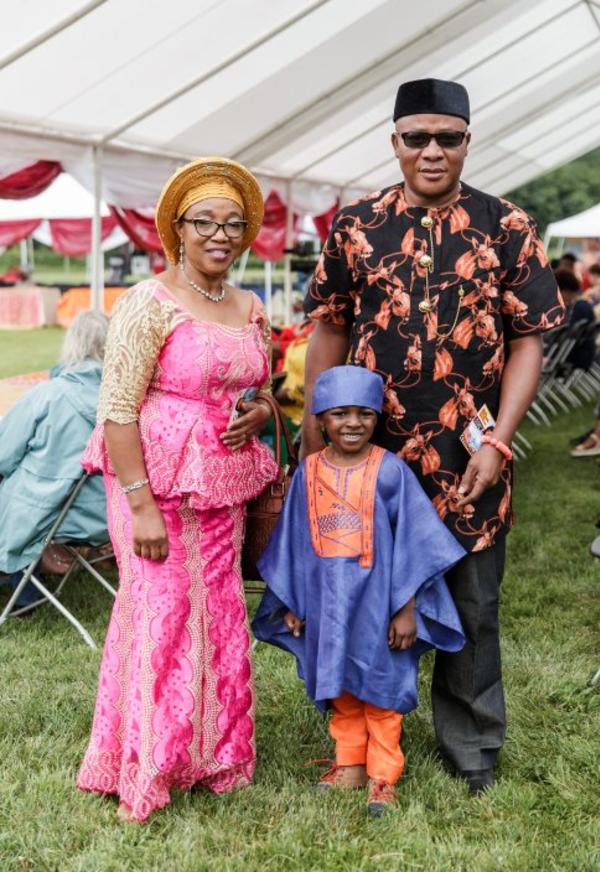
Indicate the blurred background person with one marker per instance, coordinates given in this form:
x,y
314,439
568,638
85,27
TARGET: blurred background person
x,y
578,309
41,441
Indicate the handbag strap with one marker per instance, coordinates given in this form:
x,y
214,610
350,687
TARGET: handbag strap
x,y
281,428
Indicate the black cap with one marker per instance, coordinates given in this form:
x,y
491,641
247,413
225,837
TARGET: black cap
x,y
432,97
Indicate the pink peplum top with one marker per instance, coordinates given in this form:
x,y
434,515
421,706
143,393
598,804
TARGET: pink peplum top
x,y
179,377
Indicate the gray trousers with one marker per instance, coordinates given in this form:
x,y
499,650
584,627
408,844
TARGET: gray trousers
x,y
466,691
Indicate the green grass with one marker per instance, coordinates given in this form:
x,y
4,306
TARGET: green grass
x,y
24,351
542,816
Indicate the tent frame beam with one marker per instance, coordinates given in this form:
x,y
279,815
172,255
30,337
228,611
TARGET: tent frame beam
x,y
303,120
37,131
189,86
45,35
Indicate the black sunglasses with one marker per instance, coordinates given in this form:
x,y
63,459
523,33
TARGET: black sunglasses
x,y
205,227
422,138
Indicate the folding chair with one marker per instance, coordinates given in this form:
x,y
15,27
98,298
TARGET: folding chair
x,y
79,561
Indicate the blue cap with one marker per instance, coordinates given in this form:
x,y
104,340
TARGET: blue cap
x,y
347,386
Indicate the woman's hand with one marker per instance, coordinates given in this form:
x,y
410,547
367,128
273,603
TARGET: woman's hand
x,y
402,632
149,532
254,416
294,624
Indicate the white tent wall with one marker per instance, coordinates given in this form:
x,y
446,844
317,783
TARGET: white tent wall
x,y
584,225
299,90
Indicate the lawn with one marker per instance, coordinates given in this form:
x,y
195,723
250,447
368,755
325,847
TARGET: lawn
x,y
543,814
24,351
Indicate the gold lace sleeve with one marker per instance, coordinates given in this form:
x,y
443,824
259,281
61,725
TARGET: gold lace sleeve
x,y
138,329
267,339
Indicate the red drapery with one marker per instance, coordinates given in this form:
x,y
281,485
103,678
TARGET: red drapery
x,y
323,222
270,242
140,228
12,232
30,181
73,236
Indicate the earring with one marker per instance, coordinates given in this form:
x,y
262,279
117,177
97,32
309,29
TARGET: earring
x,y
181,253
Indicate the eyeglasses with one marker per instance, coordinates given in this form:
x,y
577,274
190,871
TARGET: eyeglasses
x,y
422,138
206,228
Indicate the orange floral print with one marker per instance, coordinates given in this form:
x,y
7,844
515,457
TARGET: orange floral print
x,y
440,366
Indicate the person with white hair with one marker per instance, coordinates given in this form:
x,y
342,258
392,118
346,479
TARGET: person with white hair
x,y
41,441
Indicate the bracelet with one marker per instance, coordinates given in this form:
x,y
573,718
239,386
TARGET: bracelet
x,y
498,445
135,485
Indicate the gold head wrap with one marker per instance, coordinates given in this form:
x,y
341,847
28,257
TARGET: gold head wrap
x,y
203,178
207,189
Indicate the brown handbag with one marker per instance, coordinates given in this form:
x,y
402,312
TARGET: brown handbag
x,y
263,511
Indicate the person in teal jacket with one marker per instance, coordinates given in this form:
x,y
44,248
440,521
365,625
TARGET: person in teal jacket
x,y
41,440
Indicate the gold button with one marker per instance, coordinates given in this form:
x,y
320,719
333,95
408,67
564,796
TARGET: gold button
x,y
426,222
425,307
425,261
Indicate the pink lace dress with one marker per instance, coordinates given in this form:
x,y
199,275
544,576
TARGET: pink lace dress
x,y
175,702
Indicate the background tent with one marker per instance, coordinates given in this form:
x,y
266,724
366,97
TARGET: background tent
x,y
120,92
61,217
584,225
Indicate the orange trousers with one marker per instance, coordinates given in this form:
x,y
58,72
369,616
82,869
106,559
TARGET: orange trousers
x,y
367,734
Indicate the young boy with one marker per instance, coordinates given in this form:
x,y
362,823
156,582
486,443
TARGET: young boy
x,y
355,586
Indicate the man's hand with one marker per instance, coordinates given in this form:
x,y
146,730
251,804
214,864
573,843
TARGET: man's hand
x,y
402,632
294,624
482,472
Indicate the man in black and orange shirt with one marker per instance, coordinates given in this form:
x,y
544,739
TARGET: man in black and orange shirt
x,y
444,291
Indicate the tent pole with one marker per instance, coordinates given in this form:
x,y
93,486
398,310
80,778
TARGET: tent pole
x,y
269,288
24,255
97,284
289,241
242,268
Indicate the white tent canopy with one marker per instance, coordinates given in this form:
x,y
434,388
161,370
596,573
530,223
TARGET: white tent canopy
x,y
585,225
298,89
122,91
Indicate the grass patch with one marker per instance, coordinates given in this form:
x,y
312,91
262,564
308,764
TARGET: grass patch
x,y
23,351
542,815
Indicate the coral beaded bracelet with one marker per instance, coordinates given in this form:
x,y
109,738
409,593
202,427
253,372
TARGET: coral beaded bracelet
x,y
499,446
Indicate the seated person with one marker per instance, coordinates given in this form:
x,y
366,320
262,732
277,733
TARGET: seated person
x,y
41,440
578,309
592,294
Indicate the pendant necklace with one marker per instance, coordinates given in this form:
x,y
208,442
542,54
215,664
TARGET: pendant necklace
x,y
214,298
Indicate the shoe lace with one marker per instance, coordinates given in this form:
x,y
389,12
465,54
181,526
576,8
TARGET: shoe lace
x,y
381,791
331,773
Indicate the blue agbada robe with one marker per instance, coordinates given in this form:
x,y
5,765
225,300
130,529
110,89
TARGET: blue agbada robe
x,y
347,608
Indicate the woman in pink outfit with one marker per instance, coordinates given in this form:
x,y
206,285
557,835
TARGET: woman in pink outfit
x,y
175,699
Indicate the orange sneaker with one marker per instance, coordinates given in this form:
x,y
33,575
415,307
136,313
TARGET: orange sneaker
x,y
380,796
342,778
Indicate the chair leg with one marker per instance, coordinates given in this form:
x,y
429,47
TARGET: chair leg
x,y
27,576
65,613
525,441
93,572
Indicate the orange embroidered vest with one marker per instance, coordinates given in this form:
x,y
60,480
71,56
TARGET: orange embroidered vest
x,y
341,502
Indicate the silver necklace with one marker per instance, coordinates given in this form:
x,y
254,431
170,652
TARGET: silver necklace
x,y
214,298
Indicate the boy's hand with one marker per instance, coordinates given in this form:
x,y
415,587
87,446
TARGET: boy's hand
x,y
294,624
402,633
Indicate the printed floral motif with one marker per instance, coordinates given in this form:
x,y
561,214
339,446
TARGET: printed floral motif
x,y
490,284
